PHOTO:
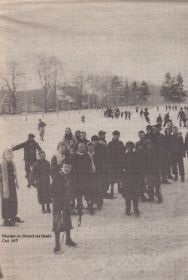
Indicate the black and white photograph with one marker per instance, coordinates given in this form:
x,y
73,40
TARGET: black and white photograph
x,y
93,140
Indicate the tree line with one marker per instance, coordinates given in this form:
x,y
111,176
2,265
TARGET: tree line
x,y
111,90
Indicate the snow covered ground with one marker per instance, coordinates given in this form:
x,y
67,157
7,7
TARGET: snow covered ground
x,y
111,245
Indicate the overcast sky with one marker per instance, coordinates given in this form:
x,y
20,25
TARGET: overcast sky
x,y
137,40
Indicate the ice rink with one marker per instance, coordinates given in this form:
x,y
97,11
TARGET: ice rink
x,y
110,244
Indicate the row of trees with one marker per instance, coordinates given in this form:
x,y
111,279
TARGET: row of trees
x,y
50,74
172,88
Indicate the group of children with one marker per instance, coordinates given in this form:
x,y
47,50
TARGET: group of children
x,y
83,171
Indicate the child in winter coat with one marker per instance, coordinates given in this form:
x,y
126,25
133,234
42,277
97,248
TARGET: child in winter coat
x,y
131,189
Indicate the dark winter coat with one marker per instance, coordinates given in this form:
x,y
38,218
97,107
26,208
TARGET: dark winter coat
x,y
9,205
177,147
116,151
40,177
159,143
55,166
30,147
101,150
152,168
186,142
152,163
130,174
81,169
62,190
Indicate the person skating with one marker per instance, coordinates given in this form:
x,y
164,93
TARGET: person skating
x,y
152,172
41,129
166,119
62,196
130,189
116,151
83,118
30,149
146,115
8,189
168,152
182,117
178,153
186,143
40,178
140,150
101,150
159,119
161,152
81,170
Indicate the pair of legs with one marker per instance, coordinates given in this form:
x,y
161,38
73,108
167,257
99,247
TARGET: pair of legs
x,y
155,190
46,208
129,197
178,164
28,165
62,223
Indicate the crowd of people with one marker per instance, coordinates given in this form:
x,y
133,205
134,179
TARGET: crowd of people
x,y
83,172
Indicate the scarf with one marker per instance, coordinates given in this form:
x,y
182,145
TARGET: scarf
x,y
60,157
92,162
4,172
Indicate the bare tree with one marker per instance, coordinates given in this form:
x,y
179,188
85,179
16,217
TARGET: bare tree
x,y
11,85
48,70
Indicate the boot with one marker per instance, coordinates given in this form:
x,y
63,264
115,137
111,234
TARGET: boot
x,y
137,212
151,199
57,248
176,178
127,212
90,208
69,241
48,208
182,178
43,209
8,223
165,181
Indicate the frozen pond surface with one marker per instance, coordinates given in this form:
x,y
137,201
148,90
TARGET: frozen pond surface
x,y
111,245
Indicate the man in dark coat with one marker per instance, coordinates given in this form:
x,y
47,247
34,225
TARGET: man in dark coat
x,y
40,178
101,150
182,117
130,179
186,143
161,152
152,171
178,153
62,196
149,133
168,152
140,151
116,151
166,119
30,147
81,169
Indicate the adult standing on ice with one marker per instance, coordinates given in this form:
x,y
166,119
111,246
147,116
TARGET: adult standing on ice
x,y
40,177
30,149
41,129
8,186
